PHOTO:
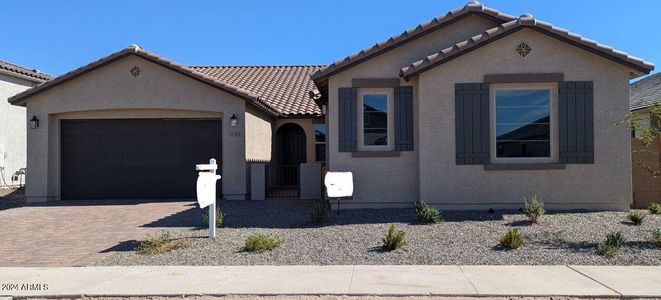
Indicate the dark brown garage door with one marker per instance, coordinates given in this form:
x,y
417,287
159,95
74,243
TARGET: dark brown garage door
x,y
135,158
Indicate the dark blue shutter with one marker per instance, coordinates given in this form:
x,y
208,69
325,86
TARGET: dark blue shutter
x,y
576,122
472,123
348,131
403,118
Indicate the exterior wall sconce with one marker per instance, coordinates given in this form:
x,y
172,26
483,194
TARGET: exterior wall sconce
x,y
324,109
234,121
34,122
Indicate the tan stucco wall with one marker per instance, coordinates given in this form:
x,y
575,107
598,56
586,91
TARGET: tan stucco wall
x,y
259,135
606,184
112,92
13,125
390,181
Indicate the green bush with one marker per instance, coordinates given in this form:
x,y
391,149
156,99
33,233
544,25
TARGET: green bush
x,y
656,237
610,247
219,218
512,239
636,217
427,214
318,212
160,243
261,243
533,209
654,208
394,239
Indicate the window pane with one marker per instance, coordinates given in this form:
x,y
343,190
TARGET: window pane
x,y
523,123
523,149
375,120
320,152
377,136
320,133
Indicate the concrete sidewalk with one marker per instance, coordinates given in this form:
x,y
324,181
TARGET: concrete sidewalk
x,y
593,281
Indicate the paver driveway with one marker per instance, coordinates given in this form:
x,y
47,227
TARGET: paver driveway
x,y
77,233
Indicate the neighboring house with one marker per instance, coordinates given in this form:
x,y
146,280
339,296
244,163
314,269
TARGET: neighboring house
x,y
646,188
474,109
14,79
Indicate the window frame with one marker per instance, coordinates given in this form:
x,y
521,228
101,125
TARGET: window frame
x,y
552,88
389,93
325,142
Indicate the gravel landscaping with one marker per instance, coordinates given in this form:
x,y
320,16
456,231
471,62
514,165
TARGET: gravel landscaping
x,y
354,237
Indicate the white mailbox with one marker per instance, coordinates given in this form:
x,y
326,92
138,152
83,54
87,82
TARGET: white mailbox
x,y
206,191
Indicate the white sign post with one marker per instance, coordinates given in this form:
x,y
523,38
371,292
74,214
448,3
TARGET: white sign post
x,y
339,185
206,191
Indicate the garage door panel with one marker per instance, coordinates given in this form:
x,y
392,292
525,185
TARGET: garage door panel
x,y
136,158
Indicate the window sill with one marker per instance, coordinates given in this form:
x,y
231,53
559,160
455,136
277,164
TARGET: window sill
x,y
523,167
375,154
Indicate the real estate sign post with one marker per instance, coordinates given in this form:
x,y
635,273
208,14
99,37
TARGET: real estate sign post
x,y
206,191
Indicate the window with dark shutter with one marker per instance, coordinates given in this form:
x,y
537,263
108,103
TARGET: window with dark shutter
x,y
347,131
575,114
472,123
404,118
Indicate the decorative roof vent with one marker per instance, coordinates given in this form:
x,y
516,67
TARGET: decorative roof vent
x,y
135,71
523,49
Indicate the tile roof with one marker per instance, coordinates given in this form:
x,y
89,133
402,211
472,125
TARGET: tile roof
x,y
473,7
135,50
284,88
525,21
645,92
31,74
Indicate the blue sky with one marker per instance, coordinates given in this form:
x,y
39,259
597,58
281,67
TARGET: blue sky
x,y
57,36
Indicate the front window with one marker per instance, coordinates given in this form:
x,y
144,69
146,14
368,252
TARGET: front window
x,y
320,141
523,126
375,119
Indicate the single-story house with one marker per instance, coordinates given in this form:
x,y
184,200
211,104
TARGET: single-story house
x,y
473,109
14,79
644,94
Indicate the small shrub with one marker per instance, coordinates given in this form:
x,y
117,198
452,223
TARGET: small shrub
x,y
512,239
610,247
427,214
219,218
394,239
533,209
261,243
636,217
656,237
654,208
318,212
161,243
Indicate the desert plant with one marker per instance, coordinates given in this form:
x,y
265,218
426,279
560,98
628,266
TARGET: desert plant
x,y
610,247
654,208
512,239
261,243
427,214
394,239
219,218
161,242
656,237
533,209
636,217
318,212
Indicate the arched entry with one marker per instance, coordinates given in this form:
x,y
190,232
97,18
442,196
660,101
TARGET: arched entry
x,y
289,152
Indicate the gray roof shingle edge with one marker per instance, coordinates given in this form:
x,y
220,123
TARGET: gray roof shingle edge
x,y
473,7
525,21
645,92
30,74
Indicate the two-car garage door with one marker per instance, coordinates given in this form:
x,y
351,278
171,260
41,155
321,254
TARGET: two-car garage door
x,y
135,158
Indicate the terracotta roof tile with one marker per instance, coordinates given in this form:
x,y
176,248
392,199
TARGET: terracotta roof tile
x,y
284,88
32,74
645,92
473,7
525,21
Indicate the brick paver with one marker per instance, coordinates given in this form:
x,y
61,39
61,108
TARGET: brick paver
x,y
78,233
